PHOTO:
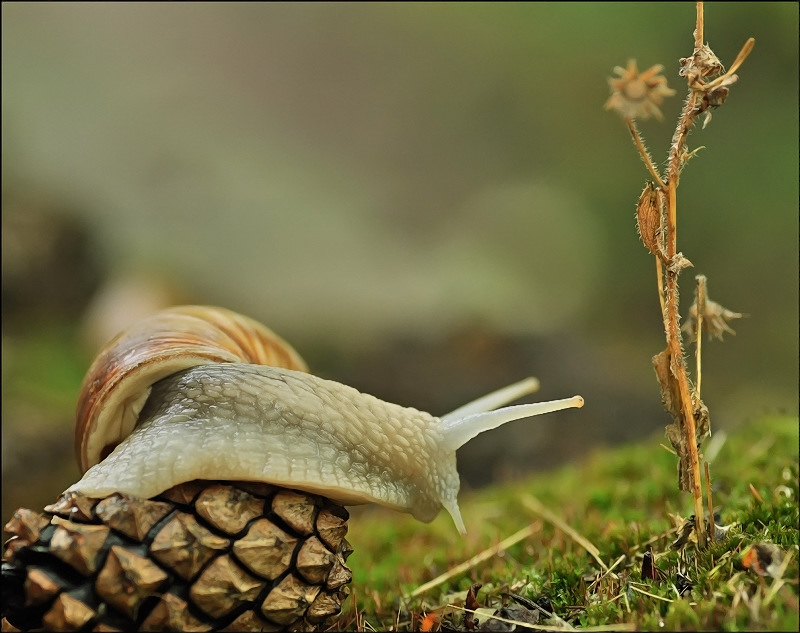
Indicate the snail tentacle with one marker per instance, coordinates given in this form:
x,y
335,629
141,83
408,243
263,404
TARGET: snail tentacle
x,y
494,399
458,432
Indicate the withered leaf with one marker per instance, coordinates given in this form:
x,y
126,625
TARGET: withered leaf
x,y
702,422
472,604
686,532
675,432
525,611
649,214
685,528
683,583
649,570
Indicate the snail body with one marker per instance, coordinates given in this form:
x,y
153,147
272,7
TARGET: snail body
x,y
208,417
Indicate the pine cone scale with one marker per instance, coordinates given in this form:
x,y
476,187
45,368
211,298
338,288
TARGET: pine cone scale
x,y
202,556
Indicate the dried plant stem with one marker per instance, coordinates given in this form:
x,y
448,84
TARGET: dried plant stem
x,y
671,314
747,48
678,155
648,161
658,229
712,531
486,554
702,293
533,504
698,31
618,626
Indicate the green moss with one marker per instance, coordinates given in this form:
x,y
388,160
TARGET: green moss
x,y
620,501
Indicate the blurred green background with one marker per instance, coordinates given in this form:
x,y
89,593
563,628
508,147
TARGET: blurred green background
x,y
427,200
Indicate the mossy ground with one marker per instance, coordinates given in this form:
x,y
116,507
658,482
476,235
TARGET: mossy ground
x,y
620,502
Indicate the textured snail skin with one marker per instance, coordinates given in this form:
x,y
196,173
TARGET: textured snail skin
x,y
259,423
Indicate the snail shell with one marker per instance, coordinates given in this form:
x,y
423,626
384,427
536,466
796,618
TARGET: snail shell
x,y
119,380
192,412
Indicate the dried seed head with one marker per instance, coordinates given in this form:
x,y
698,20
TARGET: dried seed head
x,y
649,217
703,63
678,262
715,320
637,95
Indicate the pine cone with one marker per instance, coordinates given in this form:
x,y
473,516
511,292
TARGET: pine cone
x,y
202,556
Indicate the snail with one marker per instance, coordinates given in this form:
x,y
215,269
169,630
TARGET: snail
x,y
199,392
215,471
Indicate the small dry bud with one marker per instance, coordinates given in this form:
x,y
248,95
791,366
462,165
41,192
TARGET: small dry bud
x,y
678,263
714,96
649,216
637,95
703,63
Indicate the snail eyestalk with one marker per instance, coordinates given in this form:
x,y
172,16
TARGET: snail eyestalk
x,y
459,431
496,399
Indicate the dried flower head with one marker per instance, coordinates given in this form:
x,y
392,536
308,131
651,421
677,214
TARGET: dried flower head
x,y
715,319
637,95
703,63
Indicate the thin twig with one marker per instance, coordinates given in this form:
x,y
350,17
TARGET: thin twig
x,y
779,581
654,539
660,281
702,292
536,506
648,161
597,580
698,31
744,52
652,595
620,626
478,559
712,523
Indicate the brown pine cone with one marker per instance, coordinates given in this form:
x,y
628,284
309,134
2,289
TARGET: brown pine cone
x,y
202,556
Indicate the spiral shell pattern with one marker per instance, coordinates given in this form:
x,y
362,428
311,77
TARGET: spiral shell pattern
x,y
118,382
